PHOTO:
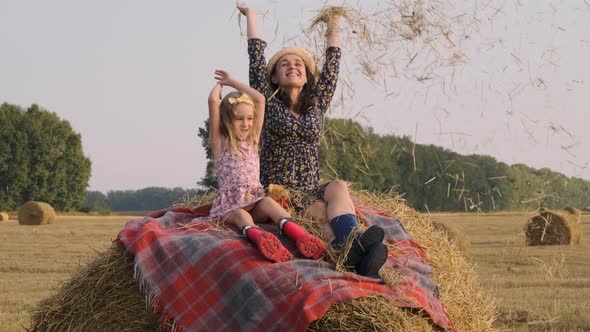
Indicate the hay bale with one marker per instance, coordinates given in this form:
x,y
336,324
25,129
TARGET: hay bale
x,y
470,308
575,213
36,213
104,296
553,227
4,216
453,234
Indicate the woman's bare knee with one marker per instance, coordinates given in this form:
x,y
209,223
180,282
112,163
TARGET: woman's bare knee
x,y
338,199
338,185
336,188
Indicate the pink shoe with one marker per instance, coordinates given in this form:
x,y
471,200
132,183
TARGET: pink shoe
x,y
311,247
272,248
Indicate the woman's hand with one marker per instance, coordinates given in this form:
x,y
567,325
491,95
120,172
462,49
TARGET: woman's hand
x,y
252,30
246,11
333,31
333,24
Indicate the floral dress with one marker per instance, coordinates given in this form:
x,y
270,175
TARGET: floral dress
x,y
290,144
239,181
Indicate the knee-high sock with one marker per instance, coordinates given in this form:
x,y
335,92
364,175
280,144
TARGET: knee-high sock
x,y
342,226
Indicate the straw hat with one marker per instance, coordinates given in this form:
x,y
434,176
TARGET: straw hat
x,y
300,52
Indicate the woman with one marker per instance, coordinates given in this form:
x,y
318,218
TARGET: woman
x,y
297,97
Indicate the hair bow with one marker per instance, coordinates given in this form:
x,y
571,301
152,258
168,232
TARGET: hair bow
x,y
244,98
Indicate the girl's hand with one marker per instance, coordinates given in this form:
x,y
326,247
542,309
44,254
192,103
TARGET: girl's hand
x,y
243,9
215,94
224,78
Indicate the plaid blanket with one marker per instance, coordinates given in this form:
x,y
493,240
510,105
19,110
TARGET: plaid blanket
x,y
208,279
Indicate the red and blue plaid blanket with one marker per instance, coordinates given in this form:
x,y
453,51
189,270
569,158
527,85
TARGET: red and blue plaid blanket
x,y
208,279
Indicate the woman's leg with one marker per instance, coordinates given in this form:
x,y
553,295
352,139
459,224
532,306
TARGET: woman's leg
x,y
374,258
340,211
318,212
343,220
268,244
308,245
338,199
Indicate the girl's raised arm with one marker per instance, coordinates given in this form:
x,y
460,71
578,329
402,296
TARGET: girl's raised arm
x,y
216,139
226,79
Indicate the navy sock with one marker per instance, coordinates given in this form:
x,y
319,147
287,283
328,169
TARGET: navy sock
x,y
342,226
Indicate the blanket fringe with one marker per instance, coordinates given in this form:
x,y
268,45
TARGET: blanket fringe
x,y
153,300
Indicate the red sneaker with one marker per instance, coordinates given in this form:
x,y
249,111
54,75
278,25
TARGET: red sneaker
x,y
272,248
311,247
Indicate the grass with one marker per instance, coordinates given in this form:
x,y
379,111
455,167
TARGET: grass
x,y
541,288
537,288
34,259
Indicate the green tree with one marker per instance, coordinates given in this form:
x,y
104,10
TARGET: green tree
x,y
42,159
97,202
209,180
147,199
345,151
14,157
431,177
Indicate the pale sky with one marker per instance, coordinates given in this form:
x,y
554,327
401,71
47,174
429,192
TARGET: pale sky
x,y
132,77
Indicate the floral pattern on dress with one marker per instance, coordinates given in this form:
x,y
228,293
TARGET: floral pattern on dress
x,y
239,181
290,143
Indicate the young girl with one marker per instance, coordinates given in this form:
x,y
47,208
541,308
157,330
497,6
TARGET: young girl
x,y
234,130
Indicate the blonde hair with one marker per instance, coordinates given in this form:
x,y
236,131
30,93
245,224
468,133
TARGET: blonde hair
x,y
226,110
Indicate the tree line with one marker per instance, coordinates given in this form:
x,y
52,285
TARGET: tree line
x,y
146,199
432,178
41,158
436,179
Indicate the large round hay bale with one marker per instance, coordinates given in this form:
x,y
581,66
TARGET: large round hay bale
x,y
577,214
36,213
105,296
553,227
102,296
4,216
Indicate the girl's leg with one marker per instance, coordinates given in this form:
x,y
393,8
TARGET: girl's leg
x,y
268,208
309,245
268,244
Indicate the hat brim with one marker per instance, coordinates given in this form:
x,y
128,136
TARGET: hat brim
x,y
299,51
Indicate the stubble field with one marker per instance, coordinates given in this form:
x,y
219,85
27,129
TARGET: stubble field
x,y
537,288
540,288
